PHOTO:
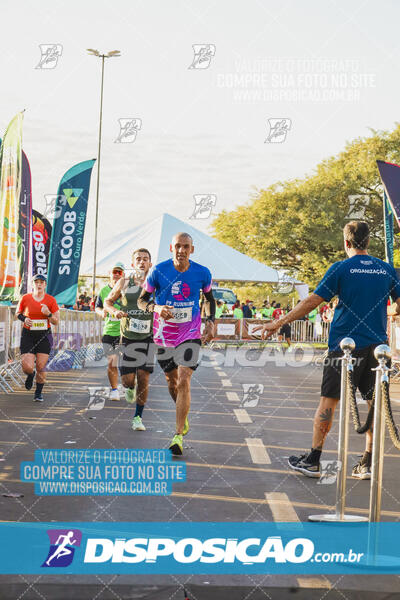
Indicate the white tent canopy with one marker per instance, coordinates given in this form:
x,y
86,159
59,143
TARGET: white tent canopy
x,y
225,263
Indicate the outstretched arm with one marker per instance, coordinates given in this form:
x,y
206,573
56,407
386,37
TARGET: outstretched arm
x,y
301,310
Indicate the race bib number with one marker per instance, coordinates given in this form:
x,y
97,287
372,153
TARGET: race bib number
x,y
139,326
181,315
39,324
113,319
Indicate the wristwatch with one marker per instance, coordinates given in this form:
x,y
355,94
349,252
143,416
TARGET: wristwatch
x,y
50,315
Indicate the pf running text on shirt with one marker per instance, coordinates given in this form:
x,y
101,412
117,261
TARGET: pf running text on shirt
x,y
180,291
363,284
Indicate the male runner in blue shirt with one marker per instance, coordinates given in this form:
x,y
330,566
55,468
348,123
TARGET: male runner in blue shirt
x,y
363,284
177,284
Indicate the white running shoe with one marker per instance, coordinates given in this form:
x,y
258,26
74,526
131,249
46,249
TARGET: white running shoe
x,y
114,395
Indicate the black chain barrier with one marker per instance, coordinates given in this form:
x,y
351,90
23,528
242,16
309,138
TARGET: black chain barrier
x,y
391,425
354,408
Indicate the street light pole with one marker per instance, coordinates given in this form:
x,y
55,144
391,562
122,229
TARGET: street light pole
x,y
111,54
98,178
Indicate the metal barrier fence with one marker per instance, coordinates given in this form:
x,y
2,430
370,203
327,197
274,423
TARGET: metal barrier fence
x,y
242,330
77,334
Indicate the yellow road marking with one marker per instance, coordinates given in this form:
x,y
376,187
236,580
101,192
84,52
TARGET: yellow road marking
x,y
257,450
232,396
226,383
222,374
238,468
242,415
244,500
14,443
37,421
284,448
204,412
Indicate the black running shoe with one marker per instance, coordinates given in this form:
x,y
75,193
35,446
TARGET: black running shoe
x,y
38,398
29,380
361,471
303,465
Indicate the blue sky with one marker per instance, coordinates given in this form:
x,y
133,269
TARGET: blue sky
x,y
203,130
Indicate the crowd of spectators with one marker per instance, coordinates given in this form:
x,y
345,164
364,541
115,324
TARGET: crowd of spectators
x,y
240,310
83,302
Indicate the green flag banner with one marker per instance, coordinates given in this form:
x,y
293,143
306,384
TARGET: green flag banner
x,y
68,231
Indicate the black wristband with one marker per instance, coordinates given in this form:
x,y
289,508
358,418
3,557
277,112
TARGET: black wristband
x,y
22,317
50,315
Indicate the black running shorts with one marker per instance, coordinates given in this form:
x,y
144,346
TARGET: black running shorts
x,y
36,342
364,378
137,355
110,343
185,354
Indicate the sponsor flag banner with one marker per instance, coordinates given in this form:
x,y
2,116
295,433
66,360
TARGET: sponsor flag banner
x,y
41,236
10,188
389,233
68,231
25,226
390,176
198,547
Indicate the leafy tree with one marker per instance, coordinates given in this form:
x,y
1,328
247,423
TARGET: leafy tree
x,y
297,224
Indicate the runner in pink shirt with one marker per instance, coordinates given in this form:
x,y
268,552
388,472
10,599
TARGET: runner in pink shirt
x,y
177,284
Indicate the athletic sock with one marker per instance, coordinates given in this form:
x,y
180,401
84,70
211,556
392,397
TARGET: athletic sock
x,y
29,380
39,388
139,410
367,458
314,456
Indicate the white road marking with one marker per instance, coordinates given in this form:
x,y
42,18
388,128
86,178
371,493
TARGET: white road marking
x,y
242,415
281,507
232,396
257,450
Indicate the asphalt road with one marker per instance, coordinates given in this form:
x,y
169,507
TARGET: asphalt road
x,y
237,470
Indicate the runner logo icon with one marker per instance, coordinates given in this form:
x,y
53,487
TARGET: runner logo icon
x,y
180,290
203,53
278,129
251,394
62,547
203,205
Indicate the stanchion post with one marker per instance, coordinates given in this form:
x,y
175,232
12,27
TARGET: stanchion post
x,y
347,345
382,354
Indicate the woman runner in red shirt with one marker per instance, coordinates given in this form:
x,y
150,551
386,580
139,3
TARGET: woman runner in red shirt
x,y
36,311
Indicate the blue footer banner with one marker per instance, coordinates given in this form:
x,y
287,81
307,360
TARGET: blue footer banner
x,y
199,548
